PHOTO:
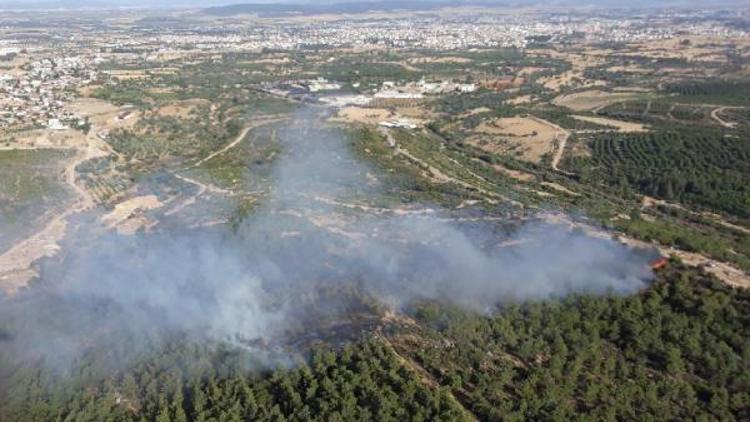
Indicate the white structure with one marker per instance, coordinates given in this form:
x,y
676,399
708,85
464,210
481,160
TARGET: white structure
x,y
401,123
55,124
346,100
322,84
398,95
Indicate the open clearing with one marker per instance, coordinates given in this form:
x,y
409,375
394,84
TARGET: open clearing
x,y
528,138
43,139
716,115
570,78
364,115
725,272
31,189
515,174
620,125
105,116
125,74
182,109
15,264
122,216
444,59
372,116
592,99
523,99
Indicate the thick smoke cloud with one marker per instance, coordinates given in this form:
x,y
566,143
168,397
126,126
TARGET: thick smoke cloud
x,y
223,285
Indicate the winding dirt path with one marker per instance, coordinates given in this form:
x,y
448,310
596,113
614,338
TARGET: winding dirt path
x,y
725,272
562,141
207,187
239,138
202,189
715,115
433,172
15,263
226,148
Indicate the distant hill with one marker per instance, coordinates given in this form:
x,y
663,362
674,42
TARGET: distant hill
x,y
363,6
266,9
104,4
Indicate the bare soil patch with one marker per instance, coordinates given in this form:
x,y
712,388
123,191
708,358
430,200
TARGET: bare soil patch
x,y
570,78
446,59
44,139
620,125
125,74
528,138
126,209
560,188
589,100
373,116
523,99
514,174
181,109
364,115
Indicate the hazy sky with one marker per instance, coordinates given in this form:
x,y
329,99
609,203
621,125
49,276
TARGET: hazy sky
x,y
116,3
206,3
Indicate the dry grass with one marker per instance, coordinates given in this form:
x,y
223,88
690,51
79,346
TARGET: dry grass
x,y
474,111
630,69
126,209
123,74
572,79
364,115
514,174
530,70
620,125
182,109
446,59
15,66
127,74
89,107
525,137
592,99
45,138
560,188
412,113
523,99
103,115
371,116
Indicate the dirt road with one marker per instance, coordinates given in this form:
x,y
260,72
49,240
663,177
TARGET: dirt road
x,y
725,272
15,264
715,115
202,189
435,173
562,141
239,138
226,148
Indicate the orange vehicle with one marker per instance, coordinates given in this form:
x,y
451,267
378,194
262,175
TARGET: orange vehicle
x,y
658,263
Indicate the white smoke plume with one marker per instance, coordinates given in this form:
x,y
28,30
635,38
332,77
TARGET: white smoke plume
x,y
225,285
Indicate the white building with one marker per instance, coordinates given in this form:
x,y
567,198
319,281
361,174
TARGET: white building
x,y
55,124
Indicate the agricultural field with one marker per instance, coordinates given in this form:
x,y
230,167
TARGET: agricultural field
x,y
592,99
705,169
527,138
31,186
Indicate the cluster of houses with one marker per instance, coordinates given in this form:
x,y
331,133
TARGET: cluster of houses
x,y
328,92
421,88
36,94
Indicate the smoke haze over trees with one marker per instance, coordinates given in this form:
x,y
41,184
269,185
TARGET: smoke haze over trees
x,y
249,284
